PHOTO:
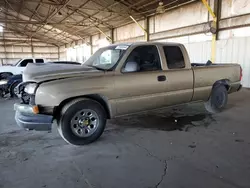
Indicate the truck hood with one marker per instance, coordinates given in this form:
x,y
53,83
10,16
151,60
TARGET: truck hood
x,y
6,68
47,71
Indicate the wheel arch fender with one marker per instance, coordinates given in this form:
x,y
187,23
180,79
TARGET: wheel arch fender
x,y
13,83
96,97
224,82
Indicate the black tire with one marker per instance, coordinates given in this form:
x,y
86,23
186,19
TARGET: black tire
x,y
5,75
70,110
12,89
218,99
1,93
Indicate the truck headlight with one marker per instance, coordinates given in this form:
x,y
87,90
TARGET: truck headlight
x,y
3,82
31,88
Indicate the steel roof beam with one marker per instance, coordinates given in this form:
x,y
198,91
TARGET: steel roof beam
x,y
69,15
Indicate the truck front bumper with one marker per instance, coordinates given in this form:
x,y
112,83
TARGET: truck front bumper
x,y
234,87
25,118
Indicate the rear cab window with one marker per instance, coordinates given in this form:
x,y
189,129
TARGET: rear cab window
x,y
174,57
39,61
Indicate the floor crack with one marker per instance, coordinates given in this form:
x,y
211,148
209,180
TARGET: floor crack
x,y
163,175
148,152
162,161
82,175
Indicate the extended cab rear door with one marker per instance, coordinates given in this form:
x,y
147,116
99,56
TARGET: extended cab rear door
x,y
179,75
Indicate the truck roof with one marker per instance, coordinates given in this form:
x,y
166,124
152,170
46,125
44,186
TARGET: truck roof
x,y
33,58
143,43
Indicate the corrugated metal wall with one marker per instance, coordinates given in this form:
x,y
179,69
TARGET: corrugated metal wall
x,y
233,50
10,54
14,47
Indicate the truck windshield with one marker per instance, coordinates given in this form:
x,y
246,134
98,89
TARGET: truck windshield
x,y
106,58
17,62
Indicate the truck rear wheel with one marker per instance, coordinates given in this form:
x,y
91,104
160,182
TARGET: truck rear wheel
x,y
82,121
218,99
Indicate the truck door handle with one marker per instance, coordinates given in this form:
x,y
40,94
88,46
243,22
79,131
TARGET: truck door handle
x,y
161,78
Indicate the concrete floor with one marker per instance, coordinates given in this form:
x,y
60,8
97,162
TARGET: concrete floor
x,y
176,148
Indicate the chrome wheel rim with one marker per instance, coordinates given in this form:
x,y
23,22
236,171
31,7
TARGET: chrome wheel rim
x,y
84,123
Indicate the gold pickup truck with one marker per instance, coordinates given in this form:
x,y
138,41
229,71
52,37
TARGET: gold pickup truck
x,y
118,80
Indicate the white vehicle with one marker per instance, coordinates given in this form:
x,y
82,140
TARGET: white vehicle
x,y
19,67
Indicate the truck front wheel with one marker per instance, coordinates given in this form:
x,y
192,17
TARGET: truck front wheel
x,y
218,99
82,121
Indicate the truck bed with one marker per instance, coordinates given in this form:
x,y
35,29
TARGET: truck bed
x,y
206,75
205,65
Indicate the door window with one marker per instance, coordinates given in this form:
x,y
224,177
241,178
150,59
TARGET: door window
x,y
142,59
25,62
174,57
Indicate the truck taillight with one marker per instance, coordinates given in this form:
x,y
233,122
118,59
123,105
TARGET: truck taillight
x,y
241,74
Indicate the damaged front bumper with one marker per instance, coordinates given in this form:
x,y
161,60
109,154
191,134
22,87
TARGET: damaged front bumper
x,y
27,119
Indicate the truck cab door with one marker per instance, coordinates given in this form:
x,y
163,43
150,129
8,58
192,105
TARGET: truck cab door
x,y
141,84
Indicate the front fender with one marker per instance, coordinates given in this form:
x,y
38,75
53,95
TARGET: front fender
x,y
54,92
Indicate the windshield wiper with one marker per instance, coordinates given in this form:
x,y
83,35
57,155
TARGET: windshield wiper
x,y
98,68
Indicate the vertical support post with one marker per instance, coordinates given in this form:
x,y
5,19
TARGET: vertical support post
x,y
214,24
112,36
91,45
147,29
217,10
32,47
5,51
213,50
58,51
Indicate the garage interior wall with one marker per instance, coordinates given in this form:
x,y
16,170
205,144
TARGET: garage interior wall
x,y
11,52
189,24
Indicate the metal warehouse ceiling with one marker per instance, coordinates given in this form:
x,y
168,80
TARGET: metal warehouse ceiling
x,y
62,21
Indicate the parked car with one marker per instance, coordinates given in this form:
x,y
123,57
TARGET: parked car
x,y
118,80
9,85
9,70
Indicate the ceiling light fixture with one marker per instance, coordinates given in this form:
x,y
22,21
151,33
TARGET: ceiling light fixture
x,y
59,14
160,9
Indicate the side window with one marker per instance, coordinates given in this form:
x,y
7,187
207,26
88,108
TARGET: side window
x,y
39,61
174,57
25,62
142,59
